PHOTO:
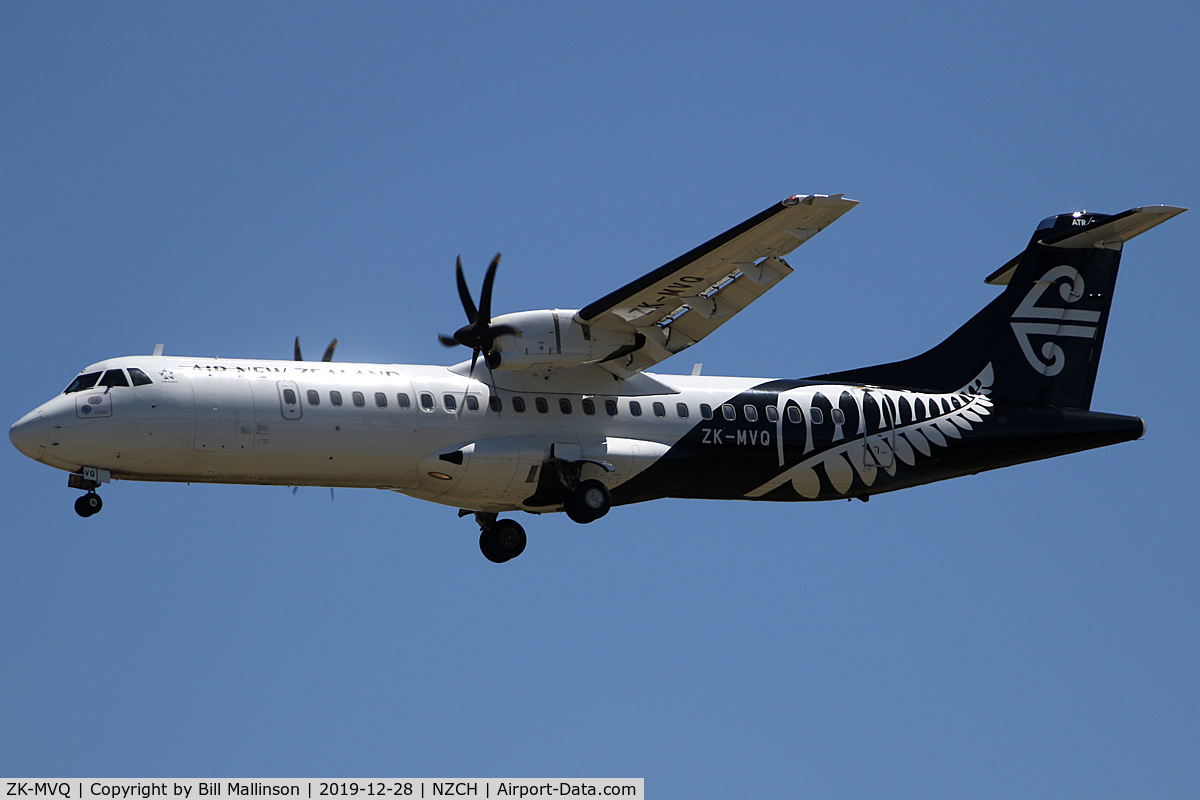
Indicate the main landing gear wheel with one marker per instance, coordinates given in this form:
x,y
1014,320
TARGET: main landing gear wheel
x,y
588,502
503,541
88,504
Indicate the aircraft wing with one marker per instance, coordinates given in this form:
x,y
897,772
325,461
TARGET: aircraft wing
x,y
683,301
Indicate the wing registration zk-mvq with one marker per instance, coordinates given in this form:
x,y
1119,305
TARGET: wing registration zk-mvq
x,y
554,410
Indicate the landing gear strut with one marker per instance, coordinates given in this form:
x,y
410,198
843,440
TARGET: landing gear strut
x,y
88,504
500,540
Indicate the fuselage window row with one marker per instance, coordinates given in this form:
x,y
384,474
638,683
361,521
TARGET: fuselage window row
x,y
428,402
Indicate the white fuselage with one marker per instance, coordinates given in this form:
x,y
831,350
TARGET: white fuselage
x,y
361,425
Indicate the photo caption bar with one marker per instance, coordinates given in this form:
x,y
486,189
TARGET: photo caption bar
x,y
319,788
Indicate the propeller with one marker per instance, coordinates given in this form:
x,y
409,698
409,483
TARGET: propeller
x,y
328,350
479,333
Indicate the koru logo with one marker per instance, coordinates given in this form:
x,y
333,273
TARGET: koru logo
x,y
1031,319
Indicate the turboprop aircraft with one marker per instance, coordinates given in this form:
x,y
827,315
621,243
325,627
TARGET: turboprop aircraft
x,y
555,411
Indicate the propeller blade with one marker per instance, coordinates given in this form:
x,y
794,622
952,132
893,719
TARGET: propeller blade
x,y
298,356
328,350
448,341
485,297
496,331
474,358
464,294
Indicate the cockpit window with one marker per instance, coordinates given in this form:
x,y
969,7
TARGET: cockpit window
x,y
114,377
82,382
138,377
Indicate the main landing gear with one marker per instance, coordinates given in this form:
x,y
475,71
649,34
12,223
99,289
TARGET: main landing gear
x,y
587,502
500,540
584,501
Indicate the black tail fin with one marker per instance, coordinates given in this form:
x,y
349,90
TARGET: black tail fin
x,y
1042,337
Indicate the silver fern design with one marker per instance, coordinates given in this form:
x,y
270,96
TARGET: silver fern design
x,y
936,420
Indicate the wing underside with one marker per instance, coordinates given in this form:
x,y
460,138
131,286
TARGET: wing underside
x,y
683,301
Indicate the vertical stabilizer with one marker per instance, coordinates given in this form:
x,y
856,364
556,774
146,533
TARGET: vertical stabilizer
x,y
1044,334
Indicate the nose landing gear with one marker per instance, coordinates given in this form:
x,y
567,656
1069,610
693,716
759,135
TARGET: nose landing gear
x,y
88,479
88,504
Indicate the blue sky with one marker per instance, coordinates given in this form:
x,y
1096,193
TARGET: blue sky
x,y
224,177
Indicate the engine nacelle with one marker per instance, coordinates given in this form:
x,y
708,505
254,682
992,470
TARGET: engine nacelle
x,y
553,338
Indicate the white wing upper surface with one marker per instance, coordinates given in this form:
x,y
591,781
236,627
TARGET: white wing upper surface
x,y
683,301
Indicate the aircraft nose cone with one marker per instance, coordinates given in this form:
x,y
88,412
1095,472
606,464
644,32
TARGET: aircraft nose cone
x,y
29,434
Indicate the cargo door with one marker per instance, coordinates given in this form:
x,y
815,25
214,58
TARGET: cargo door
x,y
224,414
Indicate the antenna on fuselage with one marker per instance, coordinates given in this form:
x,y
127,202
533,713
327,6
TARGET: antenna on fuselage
x,y
158,348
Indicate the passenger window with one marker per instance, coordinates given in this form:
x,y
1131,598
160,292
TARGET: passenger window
x,y
794,414
564,405
817,416
682,410
751,413
660,410
426,401
114,377
495,404
541,404
359,400
289,397
706,411
635,408
314,399
450,402
589,407
402,399
772,414
335,398
82,383
380,400
729,412
837,416
519,405
610,407
138,377
472,403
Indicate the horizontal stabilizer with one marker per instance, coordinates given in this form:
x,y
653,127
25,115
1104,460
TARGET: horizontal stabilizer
x,y
1118,228
1082,230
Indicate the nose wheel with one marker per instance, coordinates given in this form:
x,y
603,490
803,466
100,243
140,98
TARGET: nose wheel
x,y
88,504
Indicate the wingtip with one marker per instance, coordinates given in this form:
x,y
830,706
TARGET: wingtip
x,y
819,200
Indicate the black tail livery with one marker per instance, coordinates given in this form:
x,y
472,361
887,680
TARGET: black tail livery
x,y
1044,333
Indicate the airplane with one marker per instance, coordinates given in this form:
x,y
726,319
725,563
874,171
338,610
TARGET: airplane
x,y
555,410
